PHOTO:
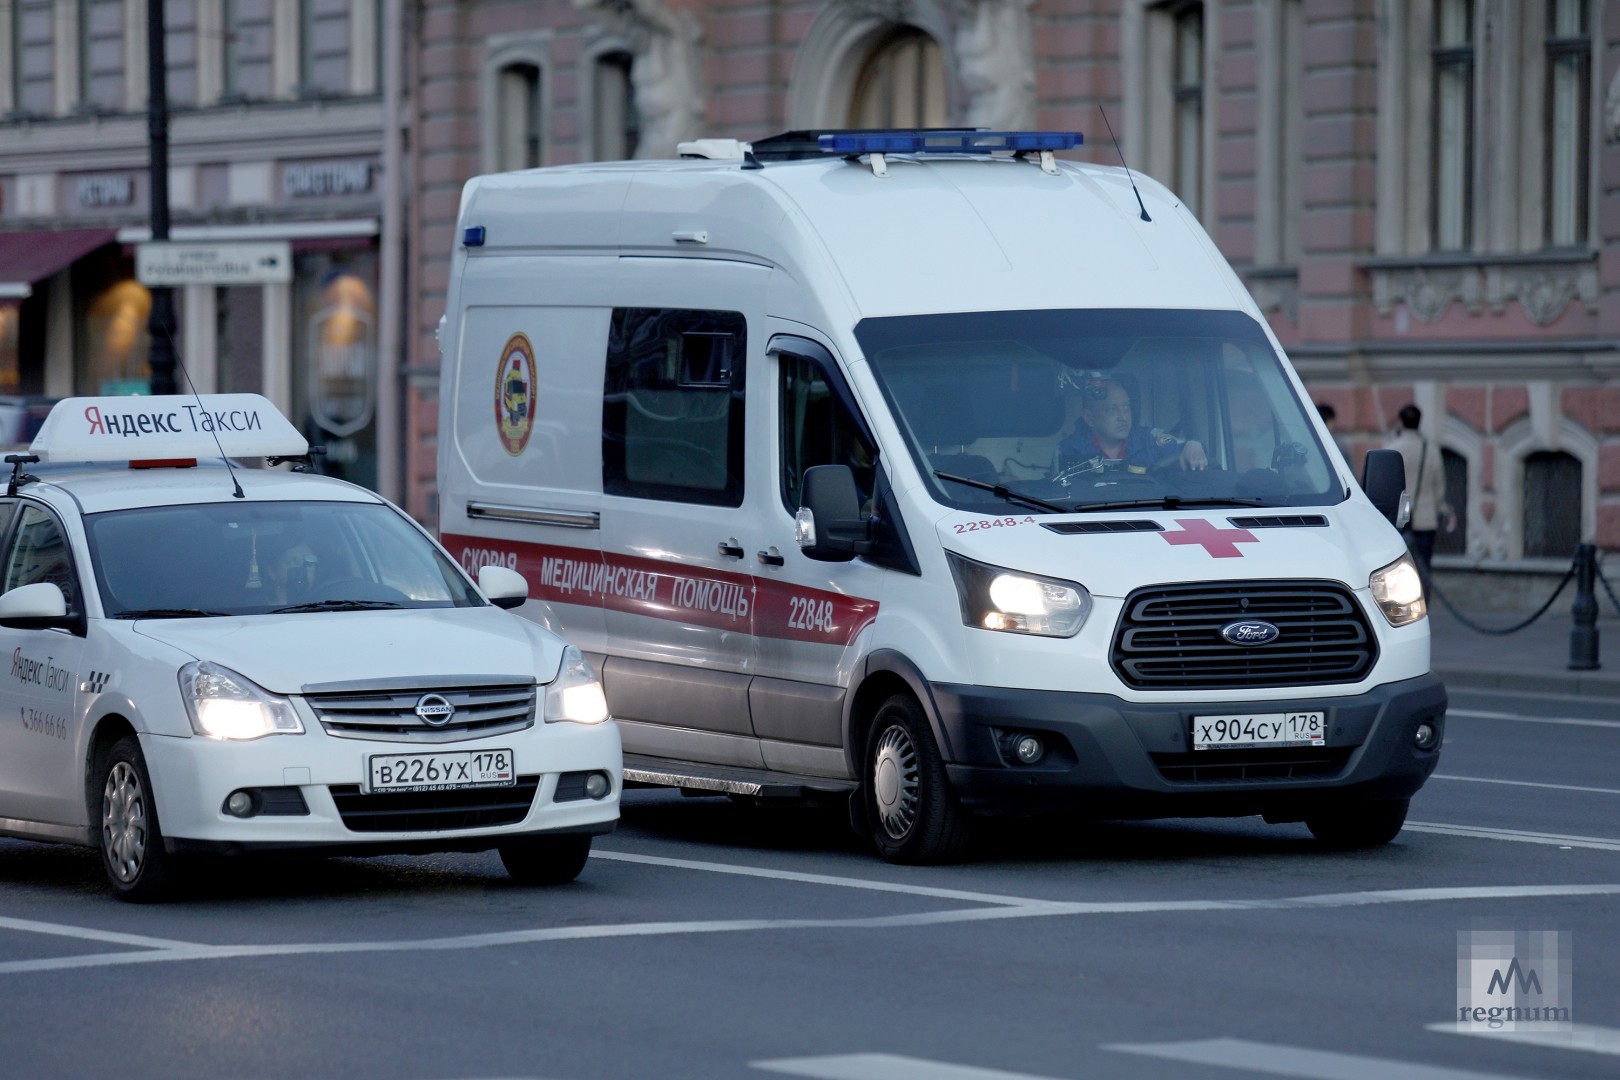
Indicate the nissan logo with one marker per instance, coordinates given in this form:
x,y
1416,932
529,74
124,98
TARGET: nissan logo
x,y
1248,632
434,710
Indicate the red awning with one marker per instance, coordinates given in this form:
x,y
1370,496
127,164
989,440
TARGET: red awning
x,y
27,258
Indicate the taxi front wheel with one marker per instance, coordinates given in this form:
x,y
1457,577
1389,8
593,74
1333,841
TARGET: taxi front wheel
x,y
545,860
131,841
912,814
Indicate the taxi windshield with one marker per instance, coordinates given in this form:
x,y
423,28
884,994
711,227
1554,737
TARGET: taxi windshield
x,y
267,557
1074,410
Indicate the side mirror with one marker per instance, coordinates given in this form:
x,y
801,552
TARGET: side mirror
x,y
829,525
1383,478
505,588
40,606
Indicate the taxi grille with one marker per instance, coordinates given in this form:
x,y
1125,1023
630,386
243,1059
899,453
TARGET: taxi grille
x,y
1169,637
434,811
388,713
1251,765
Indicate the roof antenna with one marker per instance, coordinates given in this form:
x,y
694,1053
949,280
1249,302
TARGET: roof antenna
x,y
235,483
1121,154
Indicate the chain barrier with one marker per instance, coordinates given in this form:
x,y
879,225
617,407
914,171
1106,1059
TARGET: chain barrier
x,y
1607,587
1501,630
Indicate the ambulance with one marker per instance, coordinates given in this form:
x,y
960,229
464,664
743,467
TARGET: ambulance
x,y
212,658
927,470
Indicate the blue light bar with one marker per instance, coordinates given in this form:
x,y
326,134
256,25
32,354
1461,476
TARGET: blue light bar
x,y
473,236
948,142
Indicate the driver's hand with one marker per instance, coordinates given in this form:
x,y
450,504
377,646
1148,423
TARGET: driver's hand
x,y
1193,457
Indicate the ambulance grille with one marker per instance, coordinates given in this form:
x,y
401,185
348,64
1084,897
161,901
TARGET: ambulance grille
x,y
1169,637
434,811
388,714
1250,766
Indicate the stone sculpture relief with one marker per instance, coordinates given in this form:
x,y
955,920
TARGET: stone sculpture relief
x,y
995,60
666,70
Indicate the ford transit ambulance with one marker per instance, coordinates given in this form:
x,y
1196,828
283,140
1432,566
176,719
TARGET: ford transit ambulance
x,y
207,658
931,470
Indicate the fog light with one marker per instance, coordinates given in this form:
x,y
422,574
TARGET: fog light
x,y
239,804
1425,736
1028,749
597,785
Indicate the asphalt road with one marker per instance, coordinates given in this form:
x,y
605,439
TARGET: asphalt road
x,y
717,941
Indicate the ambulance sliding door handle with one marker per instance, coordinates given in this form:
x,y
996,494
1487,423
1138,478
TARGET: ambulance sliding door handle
x,y
730,548
771,558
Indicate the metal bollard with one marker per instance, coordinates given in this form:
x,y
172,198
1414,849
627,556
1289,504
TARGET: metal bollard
x,y
1583,634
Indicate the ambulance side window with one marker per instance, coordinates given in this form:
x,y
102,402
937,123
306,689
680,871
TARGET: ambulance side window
x,y
817,429
39,552
672,405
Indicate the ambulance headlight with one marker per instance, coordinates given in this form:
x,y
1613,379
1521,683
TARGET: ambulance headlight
x,y
225,705
1399,591
575,695
996,599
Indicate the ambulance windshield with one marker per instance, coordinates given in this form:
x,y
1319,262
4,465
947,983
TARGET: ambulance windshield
x,y
1091,409
196,561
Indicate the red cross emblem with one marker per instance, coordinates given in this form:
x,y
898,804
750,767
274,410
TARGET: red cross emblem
x,y
1220,543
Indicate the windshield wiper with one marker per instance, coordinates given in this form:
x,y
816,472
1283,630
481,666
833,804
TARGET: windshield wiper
x,y
169,613
337,605
1169,502
1003,492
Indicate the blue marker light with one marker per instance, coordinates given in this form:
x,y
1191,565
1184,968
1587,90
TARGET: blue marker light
x,y
948,142
473,236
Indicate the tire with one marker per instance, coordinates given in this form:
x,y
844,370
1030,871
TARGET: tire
x,y
911,814
128,834
545,860
1359,824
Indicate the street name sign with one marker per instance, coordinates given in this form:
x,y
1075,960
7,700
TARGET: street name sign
x,y
259,262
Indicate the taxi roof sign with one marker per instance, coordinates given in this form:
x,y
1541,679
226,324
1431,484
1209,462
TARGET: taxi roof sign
x,y
169,426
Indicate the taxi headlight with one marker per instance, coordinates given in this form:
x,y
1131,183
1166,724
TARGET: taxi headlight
x,y
225,705
1399,591
575,695
997,599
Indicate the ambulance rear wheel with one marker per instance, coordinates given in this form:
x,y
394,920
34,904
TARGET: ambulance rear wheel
x,y
1360,824
545,860
128,834
913,816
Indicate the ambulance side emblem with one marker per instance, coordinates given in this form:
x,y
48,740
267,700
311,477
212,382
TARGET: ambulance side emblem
x,y
514,394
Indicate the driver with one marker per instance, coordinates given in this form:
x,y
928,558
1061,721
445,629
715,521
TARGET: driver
x,y
292,574
1106,439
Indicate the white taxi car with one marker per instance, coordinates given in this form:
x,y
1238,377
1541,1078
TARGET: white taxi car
x,y
207,658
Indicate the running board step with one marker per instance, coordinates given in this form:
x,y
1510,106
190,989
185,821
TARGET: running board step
x,y
729,779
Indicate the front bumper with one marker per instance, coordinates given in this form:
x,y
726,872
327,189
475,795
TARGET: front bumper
x,y
1108,757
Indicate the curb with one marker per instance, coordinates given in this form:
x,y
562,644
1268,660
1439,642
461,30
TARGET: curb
x,y
1600,683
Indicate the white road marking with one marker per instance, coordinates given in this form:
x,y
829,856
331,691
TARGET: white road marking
x,y
1572,721
814,879
1038,909
1519,836
85,933
883,1067
1257,1057
1529,783
1589,1037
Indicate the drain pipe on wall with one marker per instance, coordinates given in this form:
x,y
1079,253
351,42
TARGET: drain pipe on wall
x,y
390,447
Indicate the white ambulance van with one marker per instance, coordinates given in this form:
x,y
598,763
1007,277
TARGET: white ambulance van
x,y
207,658
932,470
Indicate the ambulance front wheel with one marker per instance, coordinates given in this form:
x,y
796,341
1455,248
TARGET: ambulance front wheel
x,y
128,834
1360,824
545,860
912,814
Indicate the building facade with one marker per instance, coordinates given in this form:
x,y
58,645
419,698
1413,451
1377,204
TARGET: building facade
x,y
277,133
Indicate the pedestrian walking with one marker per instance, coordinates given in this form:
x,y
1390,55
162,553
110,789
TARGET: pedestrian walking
x,y
1426,483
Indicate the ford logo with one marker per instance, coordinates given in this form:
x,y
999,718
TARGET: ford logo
x,y
434,710
1250,632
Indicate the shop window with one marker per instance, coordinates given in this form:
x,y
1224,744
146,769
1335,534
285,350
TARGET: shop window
x,y
1568,121
1552,505
1456,541
518,117
10,347
1452,135
616,125
672,412
114,345
335,359
901,84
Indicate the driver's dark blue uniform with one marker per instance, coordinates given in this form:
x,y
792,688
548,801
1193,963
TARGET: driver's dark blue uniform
x,y
1144,448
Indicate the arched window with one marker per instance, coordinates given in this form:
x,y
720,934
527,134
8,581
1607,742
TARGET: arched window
x,y
1552,504
518,117
1455,542
901,84
617,125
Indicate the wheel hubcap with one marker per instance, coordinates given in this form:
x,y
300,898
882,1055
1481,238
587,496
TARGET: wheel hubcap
x,y
894,782
123,822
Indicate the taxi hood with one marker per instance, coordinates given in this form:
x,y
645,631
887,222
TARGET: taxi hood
x,y
1111,554
284,653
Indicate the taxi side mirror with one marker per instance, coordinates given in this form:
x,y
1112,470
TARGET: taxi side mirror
x,y
505,588
1383,478
40,606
